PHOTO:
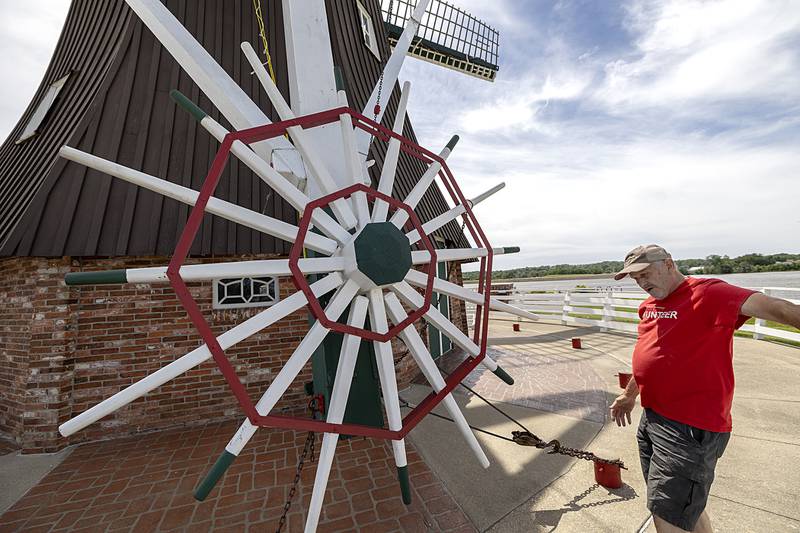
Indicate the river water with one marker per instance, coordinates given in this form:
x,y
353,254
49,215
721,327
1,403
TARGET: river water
x,y
754,280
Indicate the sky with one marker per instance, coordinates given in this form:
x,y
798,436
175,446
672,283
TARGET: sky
x,y
611,123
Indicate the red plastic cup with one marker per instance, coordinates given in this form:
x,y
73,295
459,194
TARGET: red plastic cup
x,y
607,475
515,327
624,378
576,343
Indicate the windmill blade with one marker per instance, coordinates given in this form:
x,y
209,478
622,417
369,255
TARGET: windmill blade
x,y
389,76
302,141
198,355
425,362
288,372
401,216
419,279
212,79
440,322
348,356
353,165
386,181
240,215
207,271
388,380
268,175
436,223
419,257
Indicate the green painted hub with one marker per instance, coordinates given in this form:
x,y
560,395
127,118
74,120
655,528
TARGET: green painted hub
x,y
383,253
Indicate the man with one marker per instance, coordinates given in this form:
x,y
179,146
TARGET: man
x,y
683,371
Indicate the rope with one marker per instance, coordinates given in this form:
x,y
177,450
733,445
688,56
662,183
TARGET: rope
x,y
262,32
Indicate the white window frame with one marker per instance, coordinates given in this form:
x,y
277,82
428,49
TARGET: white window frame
x,y
216,304
47,101
368,30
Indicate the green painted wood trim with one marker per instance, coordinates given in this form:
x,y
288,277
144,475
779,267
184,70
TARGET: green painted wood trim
x,y
100,277
510,249
405,484
452,144
188,105
214,475
502,374
339,78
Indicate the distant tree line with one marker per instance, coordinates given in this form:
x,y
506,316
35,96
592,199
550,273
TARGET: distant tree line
x,y
713,264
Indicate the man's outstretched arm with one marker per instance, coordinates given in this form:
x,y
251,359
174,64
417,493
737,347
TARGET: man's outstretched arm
x,y
769,308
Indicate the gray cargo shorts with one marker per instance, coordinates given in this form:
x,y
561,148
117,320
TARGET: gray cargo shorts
x,y
678,463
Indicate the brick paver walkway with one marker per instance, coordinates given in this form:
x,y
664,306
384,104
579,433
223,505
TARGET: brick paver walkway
x,y
547,376
146,483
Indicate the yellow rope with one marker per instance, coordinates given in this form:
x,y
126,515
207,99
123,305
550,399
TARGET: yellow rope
x,y
263,33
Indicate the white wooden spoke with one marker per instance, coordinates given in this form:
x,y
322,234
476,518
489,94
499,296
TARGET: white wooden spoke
x,y
436,223
348,356
386,373
353,165
294,365
246,217
279,184
386,182
389,76
212,79
198,355
419,257
411,297
419,279
400,216
236,269
302,142
428,367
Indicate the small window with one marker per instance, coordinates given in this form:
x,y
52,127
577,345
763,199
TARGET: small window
x,y
235,293
40,114
368,30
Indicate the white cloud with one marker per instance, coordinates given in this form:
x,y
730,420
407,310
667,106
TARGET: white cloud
x,y
699,50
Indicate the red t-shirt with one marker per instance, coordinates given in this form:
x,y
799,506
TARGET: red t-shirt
x,y
683,360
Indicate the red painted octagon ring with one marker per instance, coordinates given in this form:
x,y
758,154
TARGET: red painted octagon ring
x,y
313,302
408,147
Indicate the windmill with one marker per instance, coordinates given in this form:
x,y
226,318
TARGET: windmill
x,y
362,241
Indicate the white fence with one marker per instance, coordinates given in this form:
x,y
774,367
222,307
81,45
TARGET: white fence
x,y
612,310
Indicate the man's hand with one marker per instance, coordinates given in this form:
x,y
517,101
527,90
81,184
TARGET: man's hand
x,y
622,407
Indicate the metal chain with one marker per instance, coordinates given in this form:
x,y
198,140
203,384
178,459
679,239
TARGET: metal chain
x,y
307,448
377,108
526,438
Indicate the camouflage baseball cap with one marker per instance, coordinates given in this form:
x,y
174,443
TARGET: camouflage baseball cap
x,y
641,257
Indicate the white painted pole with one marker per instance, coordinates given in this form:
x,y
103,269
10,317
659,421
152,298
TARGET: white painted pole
x,y
419,257
227,210
287,374
302,141
389,77
268,175
235,269
348,356
388,380
400,216
294,365
212,79
386,182
198,355
439,321
425,362
419,279
354,167
436,223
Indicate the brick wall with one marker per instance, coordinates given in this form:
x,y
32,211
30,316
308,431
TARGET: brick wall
x,y
64,349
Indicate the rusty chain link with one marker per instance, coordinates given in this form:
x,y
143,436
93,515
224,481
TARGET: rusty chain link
x,y
307,448
526,438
